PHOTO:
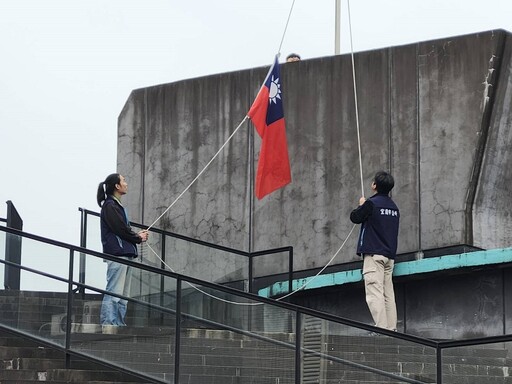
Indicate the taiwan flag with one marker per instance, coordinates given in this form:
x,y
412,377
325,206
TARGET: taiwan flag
x,y
267,115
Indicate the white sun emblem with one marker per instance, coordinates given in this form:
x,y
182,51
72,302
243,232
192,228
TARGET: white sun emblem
x,y
274,90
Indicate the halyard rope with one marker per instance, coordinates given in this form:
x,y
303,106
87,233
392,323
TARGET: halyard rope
x,y
308,280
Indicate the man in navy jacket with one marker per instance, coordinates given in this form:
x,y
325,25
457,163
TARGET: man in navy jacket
x,y
377,244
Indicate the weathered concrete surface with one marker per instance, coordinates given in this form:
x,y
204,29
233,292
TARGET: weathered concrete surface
x,y
421,110
492,213
442,306
451,76
167,135
404,147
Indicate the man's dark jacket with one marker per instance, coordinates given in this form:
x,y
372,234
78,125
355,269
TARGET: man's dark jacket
x,y
379,217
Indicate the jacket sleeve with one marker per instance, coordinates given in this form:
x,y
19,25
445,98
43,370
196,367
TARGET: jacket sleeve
x,y
114,219
362,213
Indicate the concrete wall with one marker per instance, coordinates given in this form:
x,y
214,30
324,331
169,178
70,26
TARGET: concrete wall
x,y
439,306
492,208
433,113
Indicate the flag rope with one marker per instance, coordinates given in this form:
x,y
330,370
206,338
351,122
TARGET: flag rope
x,y
222,147
355,99
310,280
285,28
199,174
231,136
200,290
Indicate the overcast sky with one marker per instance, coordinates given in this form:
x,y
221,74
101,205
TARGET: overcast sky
x,y
67,67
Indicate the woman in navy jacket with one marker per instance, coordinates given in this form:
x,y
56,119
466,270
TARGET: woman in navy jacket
x,y
118,240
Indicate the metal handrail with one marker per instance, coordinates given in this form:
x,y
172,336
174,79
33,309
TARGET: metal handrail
x,y
439,346
190,280
219,287
239,252
198,241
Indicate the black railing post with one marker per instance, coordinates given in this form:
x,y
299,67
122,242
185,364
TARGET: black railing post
x,y
162,277
69,308
298,347
83,244
251,274
13,248
250,289
177,341
439,357
162,262
290,270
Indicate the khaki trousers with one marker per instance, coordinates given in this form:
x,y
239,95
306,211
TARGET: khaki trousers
x,y
380,295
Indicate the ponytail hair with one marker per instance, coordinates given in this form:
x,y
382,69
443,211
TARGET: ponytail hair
x,y
107,187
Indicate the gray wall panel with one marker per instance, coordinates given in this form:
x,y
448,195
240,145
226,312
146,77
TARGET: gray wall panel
x,y
460,306
420,109
451,76
131,152
492,210
404,144
188,123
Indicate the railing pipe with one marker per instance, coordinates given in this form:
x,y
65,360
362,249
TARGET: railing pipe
x,y
162,266
298,347
439,370
73,250
251,275
177,346
229,290
69,308
181,237
201,242
83,244
290,270
249,255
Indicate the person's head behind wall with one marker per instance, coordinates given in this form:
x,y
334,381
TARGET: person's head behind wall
x,y
383,182
292,57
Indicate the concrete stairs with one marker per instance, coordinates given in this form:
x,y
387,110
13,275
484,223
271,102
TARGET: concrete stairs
x,y
477,365
220,357
215,356
25,361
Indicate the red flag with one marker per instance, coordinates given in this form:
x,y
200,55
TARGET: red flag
x,y
267,115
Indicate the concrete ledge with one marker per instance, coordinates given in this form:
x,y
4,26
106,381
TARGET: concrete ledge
x,y
405,268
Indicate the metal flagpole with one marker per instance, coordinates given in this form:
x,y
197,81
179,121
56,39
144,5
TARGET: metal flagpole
x,y
337,29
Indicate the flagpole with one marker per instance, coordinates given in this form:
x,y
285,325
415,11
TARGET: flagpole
x,y
251,187
199,174
337,29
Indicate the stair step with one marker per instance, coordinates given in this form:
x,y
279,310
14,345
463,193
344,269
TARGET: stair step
x,y
210,356
76,382
8,352
205,379
476,380
41,364
73,375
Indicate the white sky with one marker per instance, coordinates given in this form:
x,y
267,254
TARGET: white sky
x,y
67,68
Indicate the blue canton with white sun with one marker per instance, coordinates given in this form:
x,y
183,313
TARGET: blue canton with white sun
x,y
275,106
